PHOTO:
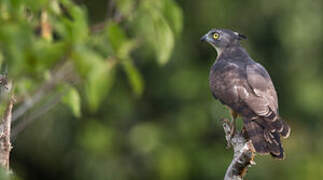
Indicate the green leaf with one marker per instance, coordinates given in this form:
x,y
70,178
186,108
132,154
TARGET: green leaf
x,y
75,28
174,15
125,6
73,100
98,75
100,43
79,29
35,5
119,42
156,31
52,52
126,48
134,76
116,36
163,41
85,59
98,83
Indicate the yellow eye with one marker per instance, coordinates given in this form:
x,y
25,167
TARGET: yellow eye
x,y
216,36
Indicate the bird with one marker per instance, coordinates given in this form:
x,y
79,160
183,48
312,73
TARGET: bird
x,y
245,87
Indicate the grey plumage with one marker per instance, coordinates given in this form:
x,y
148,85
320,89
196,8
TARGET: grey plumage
x,y
246,87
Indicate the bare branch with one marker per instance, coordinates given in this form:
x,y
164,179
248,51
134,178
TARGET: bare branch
x,y
63,73
243,154
50,104
5,126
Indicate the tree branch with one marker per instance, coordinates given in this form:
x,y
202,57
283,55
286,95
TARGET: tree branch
x,y
243,153
50,104
5,126
63,73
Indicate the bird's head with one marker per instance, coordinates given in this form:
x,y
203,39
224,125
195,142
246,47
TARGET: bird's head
x,y
222,38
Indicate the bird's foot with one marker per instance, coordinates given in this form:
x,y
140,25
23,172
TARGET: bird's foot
x,y
253,151
228,146
231,136
233,129
230,132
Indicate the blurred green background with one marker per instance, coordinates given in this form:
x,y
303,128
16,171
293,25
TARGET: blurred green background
x,y
118,89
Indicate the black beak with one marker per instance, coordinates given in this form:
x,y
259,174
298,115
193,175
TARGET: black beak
x,y
203,38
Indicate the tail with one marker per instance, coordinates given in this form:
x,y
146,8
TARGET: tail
x,y
265,135
281,127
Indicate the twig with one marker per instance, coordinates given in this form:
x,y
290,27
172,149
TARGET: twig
x,y
5,126
50,104
98,27
243,154
112,14
62,74
46,28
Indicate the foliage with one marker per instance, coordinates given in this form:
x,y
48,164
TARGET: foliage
x,y
49,33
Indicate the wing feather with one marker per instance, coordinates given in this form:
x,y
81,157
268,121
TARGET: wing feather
x,y
265,102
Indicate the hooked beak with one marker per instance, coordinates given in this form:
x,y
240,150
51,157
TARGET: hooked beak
x,y
204,38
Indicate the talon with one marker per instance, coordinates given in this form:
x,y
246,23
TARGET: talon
x,y
228,146
225,120
231,135
233,129
234,115
252,161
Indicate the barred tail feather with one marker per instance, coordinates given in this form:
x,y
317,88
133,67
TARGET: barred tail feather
x,y
256,135
264,139
279,125
276,149
286,130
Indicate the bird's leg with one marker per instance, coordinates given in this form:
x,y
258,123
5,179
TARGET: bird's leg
x,y
234,115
